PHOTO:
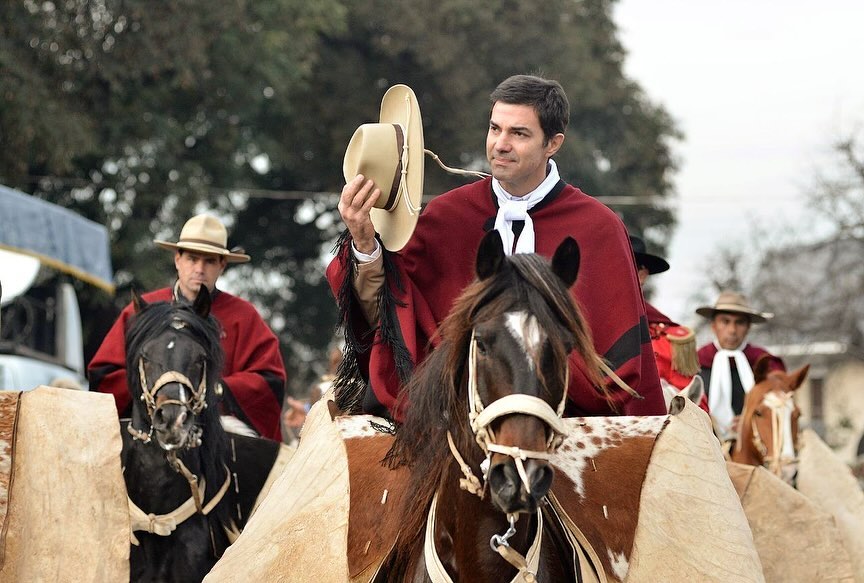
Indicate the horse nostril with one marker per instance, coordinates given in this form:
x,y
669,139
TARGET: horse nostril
x,y
504,481
541,480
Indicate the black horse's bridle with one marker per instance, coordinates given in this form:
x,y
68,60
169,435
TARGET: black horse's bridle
x,y
195,405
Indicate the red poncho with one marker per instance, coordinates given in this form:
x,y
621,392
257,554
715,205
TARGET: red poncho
x,y
751,352
254,375
438,263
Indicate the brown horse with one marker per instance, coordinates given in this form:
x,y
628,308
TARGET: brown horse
x,y
484,419
768,427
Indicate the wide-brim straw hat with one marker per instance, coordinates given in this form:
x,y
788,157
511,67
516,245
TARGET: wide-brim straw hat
x,y
653,263
735,303
205,234
390,153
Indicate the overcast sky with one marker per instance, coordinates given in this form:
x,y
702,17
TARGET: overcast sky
x,y
760,89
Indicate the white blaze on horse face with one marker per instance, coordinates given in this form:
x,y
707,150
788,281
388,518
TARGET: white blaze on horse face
x,y
525,329
170,345
783,404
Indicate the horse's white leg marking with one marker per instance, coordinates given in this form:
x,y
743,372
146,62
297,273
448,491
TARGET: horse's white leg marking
x,y
525,329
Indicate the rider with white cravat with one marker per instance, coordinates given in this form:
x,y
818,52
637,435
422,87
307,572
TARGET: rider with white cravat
x,y
727,362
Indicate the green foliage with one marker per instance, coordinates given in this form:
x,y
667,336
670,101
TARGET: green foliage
x,y
152,111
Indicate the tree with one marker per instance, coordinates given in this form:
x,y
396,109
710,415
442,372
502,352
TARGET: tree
x,y
814,284
809,276
152,111
139,114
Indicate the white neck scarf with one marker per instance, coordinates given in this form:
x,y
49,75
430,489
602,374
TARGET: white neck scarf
x,y
511,208
720,386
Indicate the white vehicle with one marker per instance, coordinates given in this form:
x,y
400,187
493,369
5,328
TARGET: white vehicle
x,y
42,246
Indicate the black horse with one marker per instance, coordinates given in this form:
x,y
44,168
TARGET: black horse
x,y
191,485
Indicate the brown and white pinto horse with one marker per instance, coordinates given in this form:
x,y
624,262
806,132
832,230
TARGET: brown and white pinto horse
x,y
484,419
464,490
768,428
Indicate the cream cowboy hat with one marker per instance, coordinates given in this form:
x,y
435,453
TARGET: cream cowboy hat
x,y
390,153
205,234
735,303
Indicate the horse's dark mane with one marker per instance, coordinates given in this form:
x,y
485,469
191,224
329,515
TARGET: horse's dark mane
x,y
437,393
209,458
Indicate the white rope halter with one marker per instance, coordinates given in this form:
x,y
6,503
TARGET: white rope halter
x,y
195,405
781,404
481,418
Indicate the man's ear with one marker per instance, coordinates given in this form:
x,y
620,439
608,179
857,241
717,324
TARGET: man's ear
x,y
554,144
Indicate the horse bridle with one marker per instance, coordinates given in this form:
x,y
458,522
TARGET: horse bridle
x,y
165,524
777,402
481,418
195,405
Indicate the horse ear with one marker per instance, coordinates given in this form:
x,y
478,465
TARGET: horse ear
x,y
138,302
490,255
797,377
202,303
762,368
695,389
565,262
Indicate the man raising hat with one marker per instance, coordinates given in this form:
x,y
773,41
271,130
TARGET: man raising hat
x,y
674,345
396,284
727,362
253,378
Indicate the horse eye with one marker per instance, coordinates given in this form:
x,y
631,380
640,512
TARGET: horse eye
x,y
481,346
757,413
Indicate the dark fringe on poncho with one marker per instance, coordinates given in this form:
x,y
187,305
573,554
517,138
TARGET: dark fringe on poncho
x,y
350,385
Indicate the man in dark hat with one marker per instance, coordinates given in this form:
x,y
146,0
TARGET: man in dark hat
x,y
392,303
727,362
253,376
674,345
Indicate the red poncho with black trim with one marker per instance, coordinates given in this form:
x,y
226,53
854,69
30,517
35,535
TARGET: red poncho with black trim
x,y
438,263
253,376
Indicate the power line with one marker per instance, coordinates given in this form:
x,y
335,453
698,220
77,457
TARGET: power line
x,y
608,200
276,194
